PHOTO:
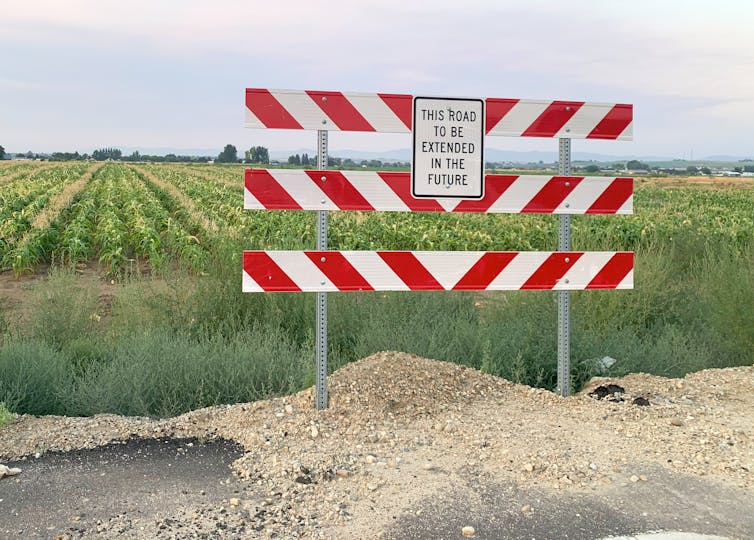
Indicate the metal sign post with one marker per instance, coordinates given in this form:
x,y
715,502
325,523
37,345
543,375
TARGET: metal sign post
x,y
321,382
564,297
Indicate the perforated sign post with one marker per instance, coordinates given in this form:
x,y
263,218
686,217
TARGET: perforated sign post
x,y
447,176
448,148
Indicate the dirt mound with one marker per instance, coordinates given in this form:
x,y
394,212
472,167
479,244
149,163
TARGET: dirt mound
x,y
406,385
400,427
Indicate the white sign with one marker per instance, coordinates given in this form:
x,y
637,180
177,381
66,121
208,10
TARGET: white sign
x,y
448,148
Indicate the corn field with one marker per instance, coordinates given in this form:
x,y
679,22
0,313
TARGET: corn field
x,y
126,216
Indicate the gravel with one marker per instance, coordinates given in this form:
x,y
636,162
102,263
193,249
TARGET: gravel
x,y
400,427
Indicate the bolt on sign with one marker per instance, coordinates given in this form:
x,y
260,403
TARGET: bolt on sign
x,y
448,148
447,176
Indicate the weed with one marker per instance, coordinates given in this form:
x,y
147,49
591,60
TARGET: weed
x,y
5,415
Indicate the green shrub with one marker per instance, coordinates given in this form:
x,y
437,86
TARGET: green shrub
x,y
726,287
437,325
164,374
5,415
34,378
62,308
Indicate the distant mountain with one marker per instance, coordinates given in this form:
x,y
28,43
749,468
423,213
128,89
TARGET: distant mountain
x,y
718,157
512,156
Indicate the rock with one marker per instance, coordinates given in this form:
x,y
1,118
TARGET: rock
x,y
593,466
641,402
370,459
371,486
8,471
606,362
526,509
634,478
314,432
234,501
468,531
289,409
676,422
529,467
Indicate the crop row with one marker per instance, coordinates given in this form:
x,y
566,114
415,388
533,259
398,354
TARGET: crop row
x,y
26,195
9,169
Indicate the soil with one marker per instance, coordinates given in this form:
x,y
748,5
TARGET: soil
x,y
404,434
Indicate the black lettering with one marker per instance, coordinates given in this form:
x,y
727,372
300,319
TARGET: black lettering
x,y
461,115
433,114
447,179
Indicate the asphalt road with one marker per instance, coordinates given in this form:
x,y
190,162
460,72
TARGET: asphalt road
x,y
665,502
142,480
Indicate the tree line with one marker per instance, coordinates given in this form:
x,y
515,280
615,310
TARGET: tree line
x,y
261,155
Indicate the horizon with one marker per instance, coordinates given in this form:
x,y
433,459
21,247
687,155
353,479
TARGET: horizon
x,y
400,154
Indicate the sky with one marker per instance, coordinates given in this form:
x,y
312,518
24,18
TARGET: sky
x,y
86,74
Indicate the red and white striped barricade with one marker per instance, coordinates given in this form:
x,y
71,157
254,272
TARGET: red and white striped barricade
x,y
336,271
392,113
298,189
325,271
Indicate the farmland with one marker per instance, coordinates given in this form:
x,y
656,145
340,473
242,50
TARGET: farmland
x,y
121,290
